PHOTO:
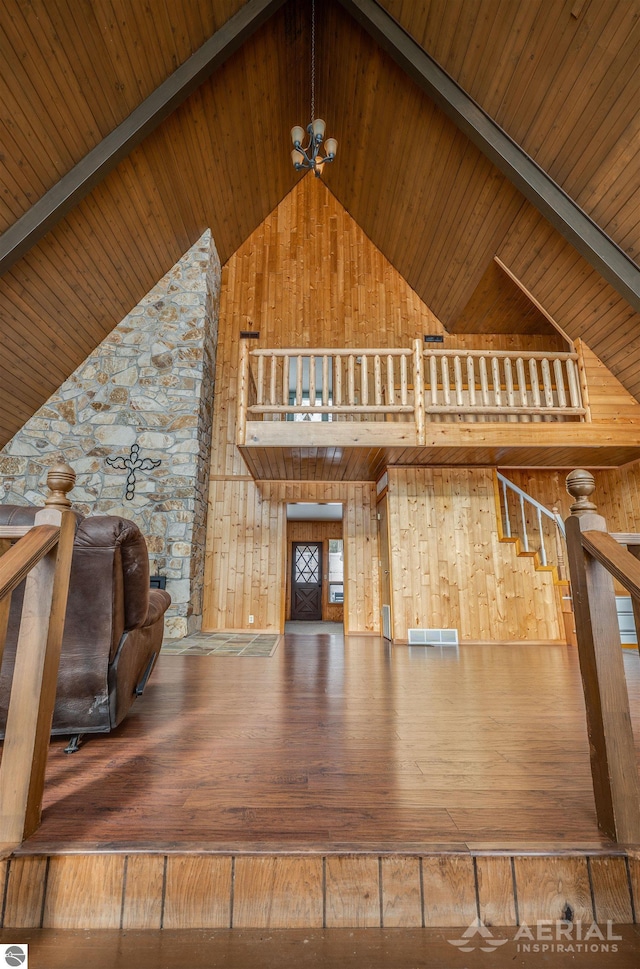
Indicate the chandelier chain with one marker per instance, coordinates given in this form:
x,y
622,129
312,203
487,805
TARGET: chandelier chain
x,y
313,59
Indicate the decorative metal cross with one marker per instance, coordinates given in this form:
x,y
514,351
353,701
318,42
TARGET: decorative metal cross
x,y
132,464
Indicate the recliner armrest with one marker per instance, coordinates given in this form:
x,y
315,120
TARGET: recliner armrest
x,y
159,602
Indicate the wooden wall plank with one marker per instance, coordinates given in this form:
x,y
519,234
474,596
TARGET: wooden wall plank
x,y
25,892
435,511
277,892
197,892
352,892
449,890
142,904
496,890
553,888
84,891
611,891
401,892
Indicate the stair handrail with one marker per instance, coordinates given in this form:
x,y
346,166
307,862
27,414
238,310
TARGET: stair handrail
x,y
41,557
595,558
541,510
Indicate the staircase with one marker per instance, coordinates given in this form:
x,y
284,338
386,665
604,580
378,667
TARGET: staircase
x,y
537,533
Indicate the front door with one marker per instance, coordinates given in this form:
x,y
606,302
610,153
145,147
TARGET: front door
x,y
306,581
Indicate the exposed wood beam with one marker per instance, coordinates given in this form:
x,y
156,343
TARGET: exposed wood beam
x,y
102,159
561,211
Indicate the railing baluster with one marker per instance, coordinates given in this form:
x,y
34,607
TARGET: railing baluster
x,y
457,372
535,387
312,381
260,384
546,383
557,369
471,381
484,382
433,380
364,379
446,384
299,380
404,383
497,383
522,386
525,537
377,380
507,518
285,380
272,381
391,390
543,551
337,378
508,382
351,377
574,384
325,380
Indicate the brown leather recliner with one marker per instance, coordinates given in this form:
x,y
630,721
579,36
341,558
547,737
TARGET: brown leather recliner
x,y
113,627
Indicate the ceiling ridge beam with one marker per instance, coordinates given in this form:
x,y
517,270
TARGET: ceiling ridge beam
x,y
96,164
585,235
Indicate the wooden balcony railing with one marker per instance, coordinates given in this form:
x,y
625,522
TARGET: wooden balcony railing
x,y
41,555
403,384
595,559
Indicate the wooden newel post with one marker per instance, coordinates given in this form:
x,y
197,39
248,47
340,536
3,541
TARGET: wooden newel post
x,y
243,393
35,673
418,391
613,762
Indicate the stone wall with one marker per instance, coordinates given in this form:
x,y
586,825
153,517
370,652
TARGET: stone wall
x,y
149,384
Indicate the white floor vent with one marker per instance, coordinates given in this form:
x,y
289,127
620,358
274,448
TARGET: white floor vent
x,y
433,637
386,622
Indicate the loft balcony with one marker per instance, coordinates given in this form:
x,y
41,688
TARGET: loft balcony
x,y
347,413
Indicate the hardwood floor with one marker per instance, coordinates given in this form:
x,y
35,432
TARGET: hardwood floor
x,y
334,746
295,948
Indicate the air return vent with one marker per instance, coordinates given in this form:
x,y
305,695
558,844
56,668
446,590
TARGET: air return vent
x,y
433,637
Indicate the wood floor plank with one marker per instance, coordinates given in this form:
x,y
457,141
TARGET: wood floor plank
x,y
277,892
197,892
495,890
352,892
553,888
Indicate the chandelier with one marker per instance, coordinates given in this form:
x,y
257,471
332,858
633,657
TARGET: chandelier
x,y
316,152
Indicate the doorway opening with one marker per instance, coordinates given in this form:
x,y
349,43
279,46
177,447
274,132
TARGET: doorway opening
x,y
315,573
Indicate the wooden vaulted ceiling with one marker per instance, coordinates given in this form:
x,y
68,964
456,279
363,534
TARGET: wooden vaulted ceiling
x,y
562,77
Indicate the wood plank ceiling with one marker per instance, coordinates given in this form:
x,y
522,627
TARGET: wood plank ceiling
x,y
560,76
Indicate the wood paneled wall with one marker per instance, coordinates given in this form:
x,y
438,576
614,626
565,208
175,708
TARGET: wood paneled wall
x,y
448,568
308,276
246,569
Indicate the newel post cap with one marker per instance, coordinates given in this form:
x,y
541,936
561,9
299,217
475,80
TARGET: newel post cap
x,y
580,485
60,479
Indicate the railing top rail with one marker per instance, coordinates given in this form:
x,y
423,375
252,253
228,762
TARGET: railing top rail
x,y
504,354
405,351
621,564
532,501
331,352
16,564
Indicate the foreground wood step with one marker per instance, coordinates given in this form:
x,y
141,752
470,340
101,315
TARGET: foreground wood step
x,y
315,891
